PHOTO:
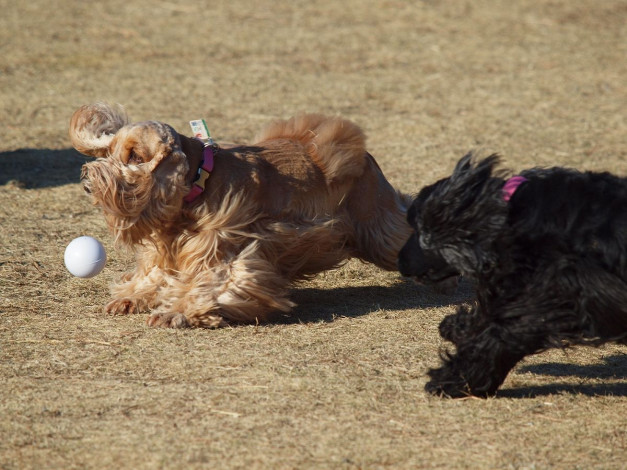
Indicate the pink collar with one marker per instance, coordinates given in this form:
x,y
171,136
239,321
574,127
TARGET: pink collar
x,y
511,185
204,170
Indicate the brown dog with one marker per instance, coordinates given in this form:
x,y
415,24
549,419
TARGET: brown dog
x,y
303,199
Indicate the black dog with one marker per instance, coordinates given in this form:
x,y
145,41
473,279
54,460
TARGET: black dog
x,y
548,252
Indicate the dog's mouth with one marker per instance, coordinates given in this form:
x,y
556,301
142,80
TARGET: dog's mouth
x,y
435,279
443,282
446,284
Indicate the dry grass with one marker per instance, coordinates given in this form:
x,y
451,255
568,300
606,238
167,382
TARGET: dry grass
x,y
339,383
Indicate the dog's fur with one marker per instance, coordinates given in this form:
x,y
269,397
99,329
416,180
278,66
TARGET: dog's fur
x,y
550,266
304,198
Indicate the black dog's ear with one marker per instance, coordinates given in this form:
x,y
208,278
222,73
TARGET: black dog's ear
x,y
465,213
468,181
472,175
470,163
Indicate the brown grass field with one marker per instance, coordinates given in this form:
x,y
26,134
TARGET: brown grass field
x,y
339,383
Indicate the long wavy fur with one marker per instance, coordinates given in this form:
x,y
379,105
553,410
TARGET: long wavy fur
x,y
304,198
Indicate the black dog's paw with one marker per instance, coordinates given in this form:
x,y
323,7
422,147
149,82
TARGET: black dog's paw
x,y
443,384
453,390
448,383
456,327
452,328
447,389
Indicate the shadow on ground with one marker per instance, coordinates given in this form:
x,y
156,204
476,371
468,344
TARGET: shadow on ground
x,y
41,168
612,368
327,304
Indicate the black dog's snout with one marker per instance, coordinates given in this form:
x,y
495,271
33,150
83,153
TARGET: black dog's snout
x,y
408,256
425,266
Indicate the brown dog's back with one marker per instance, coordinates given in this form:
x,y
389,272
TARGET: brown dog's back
x,y
356,191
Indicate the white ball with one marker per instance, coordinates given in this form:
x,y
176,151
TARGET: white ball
x,y
85,257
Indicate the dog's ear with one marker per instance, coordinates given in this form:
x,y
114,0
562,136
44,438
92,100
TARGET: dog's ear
x,y
93,126
470,176
466,211
149,142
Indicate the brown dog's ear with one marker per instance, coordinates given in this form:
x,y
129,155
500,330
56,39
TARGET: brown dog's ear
x,y
93,126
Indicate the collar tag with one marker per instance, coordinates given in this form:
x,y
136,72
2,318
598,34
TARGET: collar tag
x,y
201,131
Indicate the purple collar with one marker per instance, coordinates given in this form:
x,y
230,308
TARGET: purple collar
x,y
204,171
511,185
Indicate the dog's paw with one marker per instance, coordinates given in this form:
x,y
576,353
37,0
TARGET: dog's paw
x,y
443,384
210,321
448,390
453,328
168,320
121,307
434,389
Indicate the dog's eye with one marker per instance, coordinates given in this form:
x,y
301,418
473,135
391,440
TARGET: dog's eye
x,y
134,159
425,240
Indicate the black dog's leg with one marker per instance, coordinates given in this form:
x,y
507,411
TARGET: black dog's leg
x,y
586,304
478,367
456,327
488,347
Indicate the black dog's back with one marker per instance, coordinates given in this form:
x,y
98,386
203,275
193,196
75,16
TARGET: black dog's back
x,y
574,224
584,213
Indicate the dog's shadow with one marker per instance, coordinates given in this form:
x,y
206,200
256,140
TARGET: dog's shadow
x,y
40,168
325,305
612,368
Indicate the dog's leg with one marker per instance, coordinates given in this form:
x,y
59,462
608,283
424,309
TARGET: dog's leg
x,y
478,367
491,342
489,346
244,290
136,292
456,327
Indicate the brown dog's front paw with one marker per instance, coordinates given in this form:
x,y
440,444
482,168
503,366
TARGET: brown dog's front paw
x,y
168,320
121,307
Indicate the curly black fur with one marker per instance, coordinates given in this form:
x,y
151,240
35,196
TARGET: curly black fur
x,y
550,266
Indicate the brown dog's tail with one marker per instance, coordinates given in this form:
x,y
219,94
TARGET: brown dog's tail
x,y
336,145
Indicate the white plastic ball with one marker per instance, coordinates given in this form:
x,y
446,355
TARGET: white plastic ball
x,y
85,257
